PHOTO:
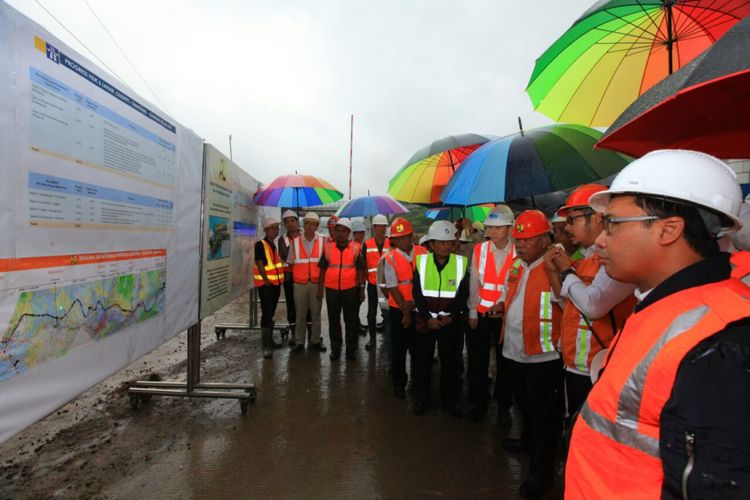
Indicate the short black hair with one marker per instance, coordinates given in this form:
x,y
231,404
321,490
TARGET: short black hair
x,y
697,235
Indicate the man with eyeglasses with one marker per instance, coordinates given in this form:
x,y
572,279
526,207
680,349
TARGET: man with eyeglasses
x,y
596,306
669,414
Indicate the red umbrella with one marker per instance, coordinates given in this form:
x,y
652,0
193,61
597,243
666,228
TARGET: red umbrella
x,y
704,106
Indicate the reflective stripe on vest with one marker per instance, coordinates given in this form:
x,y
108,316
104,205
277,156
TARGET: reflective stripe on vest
x,y
372,257
614,450
541,317
404,271
578,345
441,284
274,267
341,273
491,281
305,268
545,322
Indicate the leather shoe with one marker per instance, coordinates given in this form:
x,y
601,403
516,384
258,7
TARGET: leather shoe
x,y
532,488
335,356
399,392
350,356
318,347
515,446
380,326
369,345
419,408
298,349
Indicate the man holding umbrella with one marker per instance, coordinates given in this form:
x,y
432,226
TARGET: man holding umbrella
x,y
375,247
342,276
489,267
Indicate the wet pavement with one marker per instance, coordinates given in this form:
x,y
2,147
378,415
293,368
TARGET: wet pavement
x,y
319,429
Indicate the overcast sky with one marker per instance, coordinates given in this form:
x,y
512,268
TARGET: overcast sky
x,y
284,76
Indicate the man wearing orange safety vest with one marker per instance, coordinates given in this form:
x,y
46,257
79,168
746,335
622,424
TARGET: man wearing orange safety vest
x,y
268,272
399,271
530,331
375,247
489,266
342,274
304,257
596,306
668,417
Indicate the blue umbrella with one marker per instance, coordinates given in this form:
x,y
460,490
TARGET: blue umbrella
x,y
368,206
529,163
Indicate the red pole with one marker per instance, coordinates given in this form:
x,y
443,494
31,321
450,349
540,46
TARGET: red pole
x,y
351,144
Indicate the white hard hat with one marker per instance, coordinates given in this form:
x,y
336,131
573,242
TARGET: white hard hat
x,y
442,230
379,220
557,218
695,178
477,225
311,216
270,221
344,222
357,227
424,239
288,213
500,215
741,238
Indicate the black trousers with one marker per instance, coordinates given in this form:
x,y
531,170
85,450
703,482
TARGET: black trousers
x,y
577,388
372,306
402,340
537,388
269,299
479,344
346,301
424,347
291,309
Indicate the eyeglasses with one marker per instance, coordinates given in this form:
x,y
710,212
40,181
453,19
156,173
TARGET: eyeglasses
x,y
609,222
570,218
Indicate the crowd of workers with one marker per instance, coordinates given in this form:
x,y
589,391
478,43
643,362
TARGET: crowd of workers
x,y
625,286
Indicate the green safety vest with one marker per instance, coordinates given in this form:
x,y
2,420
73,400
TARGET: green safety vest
x,y
441,284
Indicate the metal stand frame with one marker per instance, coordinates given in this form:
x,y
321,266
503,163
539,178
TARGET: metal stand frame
x,y
143,390
220,329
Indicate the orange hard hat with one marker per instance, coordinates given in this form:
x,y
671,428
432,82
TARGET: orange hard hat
x,y
530,223
332,220
400,227
579,197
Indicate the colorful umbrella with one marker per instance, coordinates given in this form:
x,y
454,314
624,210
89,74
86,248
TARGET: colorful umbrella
x,y
532,162
704,106
297,191
423,177
618,49
475,212
368,206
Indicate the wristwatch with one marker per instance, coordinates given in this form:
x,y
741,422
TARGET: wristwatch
x,y
565,274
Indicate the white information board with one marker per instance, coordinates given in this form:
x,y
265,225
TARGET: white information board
x,y
230,220
99,216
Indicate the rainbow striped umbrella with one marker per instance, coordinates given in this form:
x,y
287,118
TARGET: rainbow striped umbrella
x,y
297,191
423,177
619,49
368,206
532,162
477,213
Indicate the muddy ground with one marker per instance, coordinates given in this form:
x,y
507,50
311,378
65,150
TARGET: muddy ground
x,y
319,429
